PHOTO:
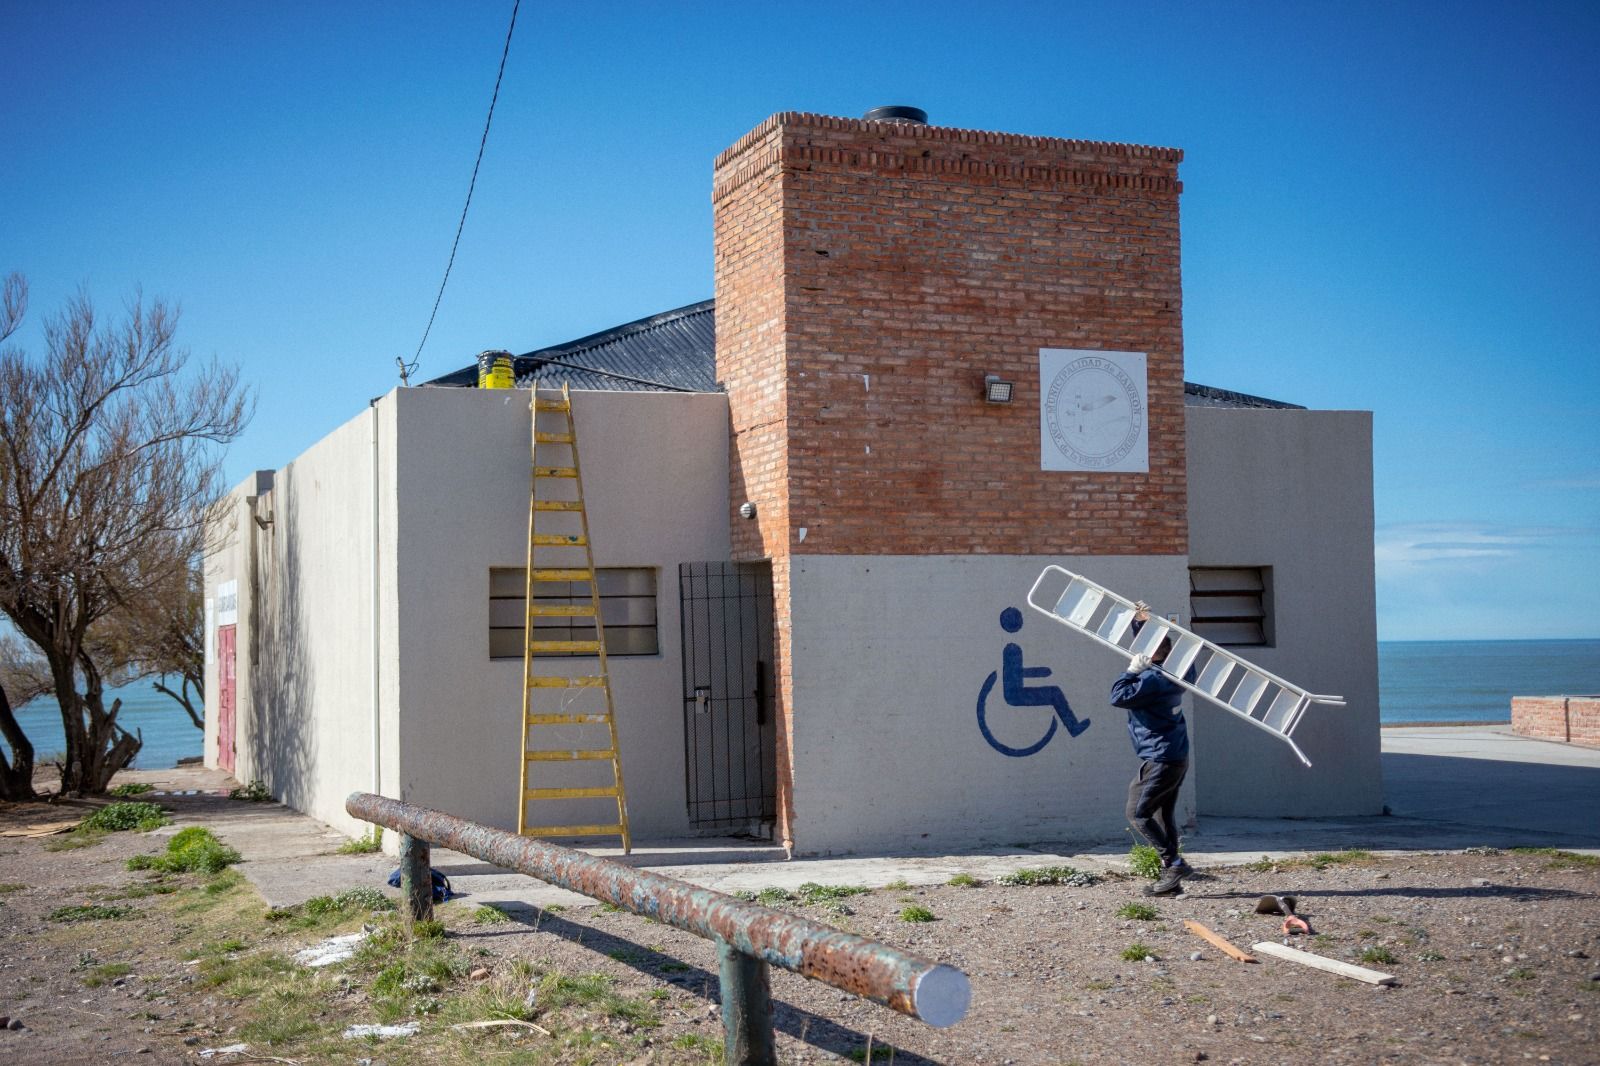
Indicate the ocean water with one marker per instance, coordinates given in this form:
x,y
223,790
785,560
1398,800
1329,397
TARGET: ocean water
x,y
1474,680
168,733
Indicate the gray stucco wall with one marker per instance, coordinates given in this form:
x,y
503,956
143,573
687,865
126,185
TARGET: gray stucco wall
x,y
890,655
655,484
305,654
1293,490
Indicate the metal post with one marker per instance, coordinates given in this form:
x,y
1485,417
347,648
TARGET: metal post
x,y
746,1008
416,877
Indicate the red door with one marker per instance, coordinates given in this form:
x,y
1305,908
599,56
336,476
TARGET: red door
x,y
226,689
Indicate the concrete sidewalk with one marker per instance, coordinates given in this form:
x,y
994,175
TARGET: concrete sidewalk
x,y
1447,788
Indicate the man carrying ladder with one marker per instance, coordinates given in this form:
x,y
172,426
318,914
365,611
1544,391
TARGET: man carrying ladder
x,y
1154,702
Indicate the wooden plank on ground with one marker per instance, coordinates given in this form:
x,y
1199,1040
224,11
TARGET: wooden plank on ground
x,y
1318,962
1217,941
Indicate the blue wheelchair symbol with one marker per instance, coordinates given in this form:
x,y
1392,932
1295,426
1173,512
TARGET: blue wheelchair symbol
x,y
1017,694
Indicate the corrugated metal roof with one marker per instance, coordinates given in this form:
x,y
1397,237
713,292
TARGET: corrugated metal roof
x,y
675,351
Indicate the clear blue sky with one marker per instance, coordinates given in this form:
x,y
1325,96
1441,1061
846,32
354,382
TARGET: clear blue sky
x,y
1387,207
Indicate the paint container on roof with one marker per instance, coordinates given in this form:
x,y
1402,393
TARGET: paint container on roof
x,y
494,370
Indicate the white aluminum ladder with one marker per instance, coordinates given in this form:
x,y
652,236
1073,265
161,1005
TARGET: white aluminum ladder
x,y
1263,699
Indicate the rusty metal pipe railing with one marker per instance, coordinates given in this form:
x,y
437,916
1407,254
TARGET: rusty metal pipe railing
x,y
929,991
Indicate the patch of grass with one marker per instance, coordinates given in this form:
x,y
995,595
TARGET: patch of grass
x,y
1521,973
554,908
879,1051
255,792
191,850
558,990
899,884
1325,859
609,908
811,892
1098,985
109,972
1562,860
768,897
132,788
1137,952
1145,860
1429,956
367,844
8,887
1377,953
144,889
1323,940
1383,918
1139,912
1048,875
964,880
488,914
1262,865
428,929
89,913
916,913
120,817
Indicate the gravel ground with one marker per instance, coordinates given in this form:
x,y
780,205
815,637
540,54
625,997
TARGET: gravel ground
x,y
1497,958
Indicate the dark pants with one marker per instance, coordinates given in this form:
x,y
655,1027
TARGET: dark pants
x,y
1152,801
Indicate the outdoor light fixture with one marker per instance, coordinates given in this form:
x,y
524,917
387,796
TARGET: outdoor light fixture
x,y
995,390
747,510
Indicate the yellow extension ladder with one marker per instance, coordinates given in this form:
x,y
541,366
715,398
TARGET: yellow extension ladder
x,y
569,710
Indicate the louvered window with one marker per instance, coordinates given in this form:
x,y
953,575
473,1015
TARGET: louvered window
x,y
627,609
1231,605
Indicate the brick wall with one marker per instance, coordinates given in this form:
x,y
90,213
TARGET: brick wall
x,y
869,274
1572,719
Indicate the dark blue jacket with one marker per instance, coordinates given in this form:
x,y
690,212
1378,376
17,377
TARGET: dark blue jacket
x,y
1155,715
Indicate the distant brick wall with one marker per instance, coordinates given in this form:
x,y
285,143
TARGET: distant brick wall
x,y
869,274
1570,719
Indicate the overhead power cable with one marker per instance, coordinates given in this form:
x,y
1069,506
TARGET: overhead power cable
x,y
407,369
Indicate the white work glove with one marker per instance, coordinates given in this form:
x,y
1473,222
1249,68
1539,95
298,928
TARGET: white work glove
x,y
1139,664
1140,605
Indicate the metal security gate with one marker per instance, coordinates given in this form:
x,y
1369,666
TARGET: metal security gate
x,y
729,735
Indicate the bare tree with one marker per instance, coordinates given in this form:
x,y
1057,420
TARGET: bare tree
x,y
23,675
109,457
163,639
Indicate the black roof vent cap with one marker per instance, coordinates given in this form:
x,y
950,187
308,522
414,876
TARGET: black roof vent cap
x,y
897,113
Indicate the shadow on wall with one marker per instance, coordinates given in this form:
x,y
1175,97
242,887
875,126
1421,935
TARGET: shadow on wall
x,y
1555,806
280,670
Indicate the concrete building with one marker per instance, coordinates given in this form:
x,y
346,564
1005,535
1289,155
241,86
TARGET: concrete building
x,y
816,525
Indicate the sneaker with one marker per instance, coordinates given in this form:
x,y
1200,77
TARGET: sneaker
x,y
1170,883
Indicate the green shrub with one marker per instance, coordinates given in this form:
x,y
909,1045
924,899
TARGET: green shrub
x,y
1377,953
490,915
964,880
132,788
351,899
811,892
117,817
1137,952
255,792
367,844
1049,875
1139,912
192,850
1145,860
916,913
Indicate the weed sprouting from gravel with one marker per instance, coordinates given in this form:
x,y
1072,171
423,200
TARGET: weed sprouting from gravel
x,y
1048,875
367,844
899,884
811,892
877,1051
1139,912
1562,860
1137,952
89,913
488,914
119,817
255,792
1145,860
191,850
917,913
1521,973
1377,953
132,788
964,880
